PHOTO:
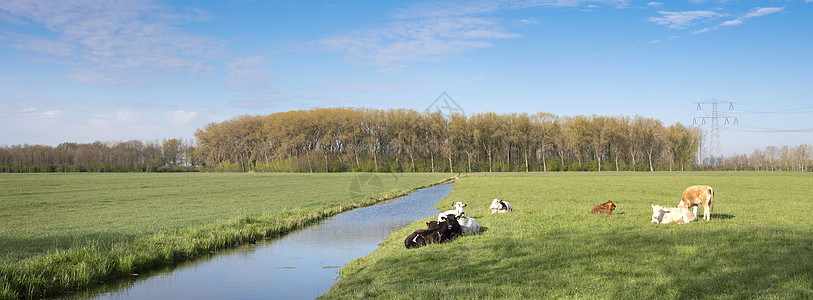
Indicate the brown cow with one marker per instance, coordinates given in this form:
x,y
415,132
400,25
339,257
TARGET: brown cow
x,y
604,208
697,195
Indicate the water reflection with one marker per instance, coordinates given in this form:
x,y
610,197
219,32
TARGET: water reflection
x,y
301,265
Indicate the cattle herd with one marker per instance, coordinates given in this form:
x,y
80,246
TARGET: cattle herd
x,y
453,223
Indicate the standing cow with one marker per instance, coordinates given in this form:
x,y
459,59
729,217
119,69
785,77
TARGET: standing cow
x,y
698,195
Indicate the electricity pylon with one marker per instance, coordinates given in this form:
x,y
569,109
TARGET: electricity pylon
x,y
714,134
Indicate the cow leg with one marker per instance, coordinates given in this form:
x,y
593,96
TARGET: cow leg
x,y
706,213
694,210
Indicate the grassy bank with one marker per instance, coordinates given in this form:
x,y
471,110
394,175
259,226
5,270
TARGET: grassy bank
x,y
758,244
61,232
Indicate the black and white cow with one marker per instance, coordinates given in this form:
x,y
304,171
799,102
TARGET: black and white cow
x,y
438,232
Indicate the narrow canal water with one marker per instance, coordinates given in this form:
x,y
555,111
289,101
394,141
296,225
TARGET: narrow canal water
x,y
300,265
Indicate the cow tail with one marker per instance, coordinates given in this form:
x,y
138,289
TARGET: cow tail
x,y
711,200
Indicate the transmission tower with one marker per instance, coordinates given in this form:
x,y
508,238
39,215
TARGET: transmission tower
x,y
714,120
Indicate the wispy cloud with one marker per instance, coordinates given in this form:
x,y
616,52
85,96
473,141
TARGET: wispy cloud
x,y
756,12
180,117
248,74
682,19
569,3
528,21
419,40
115,43
434,9
432,30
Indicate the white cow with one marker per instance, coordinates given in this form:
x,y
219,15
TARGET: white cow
x,y
467,225
457,210
666,215
500,206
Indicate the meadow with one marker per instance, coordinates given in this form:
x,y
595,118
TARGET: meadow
x,y
757,245
63,232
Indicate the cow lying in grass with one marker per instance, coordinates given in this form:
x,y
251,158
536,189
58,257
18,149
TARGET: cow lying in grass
x,y
468,225
698,195
500,206
666,215
457,210
438,232
604,208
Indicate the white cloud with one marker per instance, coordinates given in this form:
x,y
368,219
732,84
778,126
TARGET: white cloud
x,y
433,30
732,23
704,30
248,74
180,117
529,21
568,3
127,116
761,11
418,40
112,42
654,4
756,12
30,109
682,19
52,114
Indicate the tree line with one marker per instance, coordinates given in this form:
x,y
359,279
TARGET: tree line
x,y
170,155
797,158
402,140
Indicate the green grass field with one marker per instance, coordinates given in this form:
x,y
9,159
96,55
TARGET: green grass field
x,y
60,232
758,244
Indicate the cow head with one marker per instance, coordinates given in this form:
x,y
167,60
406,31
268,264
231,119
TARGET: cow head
x,y
657,213
610,205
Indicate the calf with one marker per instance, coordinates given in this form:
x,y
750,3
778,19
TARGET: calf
x,y
457,210
697,195
500,206
468,225
666,215
604,208
446,229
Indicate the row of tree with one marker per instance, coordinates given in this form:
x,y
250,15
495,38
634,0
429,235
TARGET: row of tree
x,y
129,156
349,139
796,158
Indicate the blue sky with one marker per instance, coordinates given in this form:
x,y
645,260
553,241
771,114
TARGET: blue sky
x,y
82,70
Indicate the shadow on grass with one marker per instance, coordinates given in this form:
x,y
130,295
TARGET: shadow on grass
x,y
763,262
722,216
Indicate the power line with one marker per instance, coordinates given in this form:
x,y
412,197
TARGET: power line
x,y
796,110
775,101
687,116
750,128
